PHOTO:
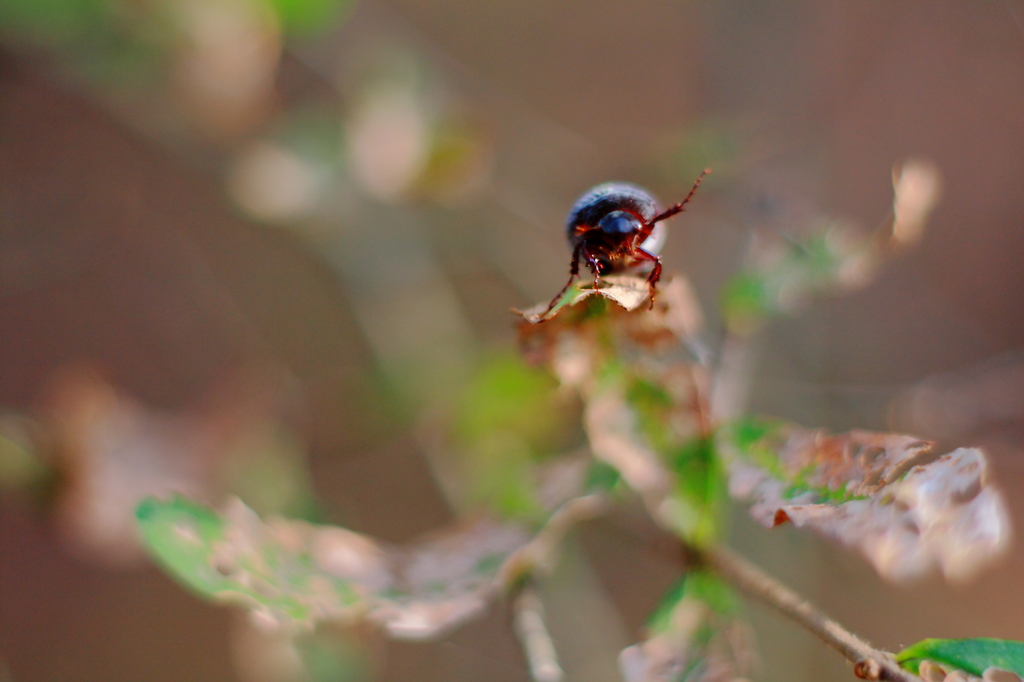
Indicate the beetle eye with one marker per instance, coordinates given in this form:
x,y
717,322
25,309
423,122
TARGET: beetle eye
x,y
619,222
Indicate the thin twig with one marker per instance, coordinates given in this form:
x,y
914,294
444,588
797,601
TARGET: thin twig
x,y
528,618
870,663
519,574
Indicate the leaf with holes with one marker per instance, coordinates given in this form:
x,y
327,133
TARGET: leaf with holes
x,y
294,573
883,494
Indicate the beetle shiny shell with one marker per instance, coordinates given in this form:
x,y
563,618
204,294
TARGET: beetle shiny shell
x,y
616,226
608,202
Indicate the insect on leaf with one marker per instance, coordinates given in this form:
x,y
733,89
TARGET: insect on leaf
x,y
628,291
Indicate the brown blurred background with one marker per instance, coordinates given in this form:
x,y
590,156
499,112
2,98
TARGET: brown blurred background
x,y
225,219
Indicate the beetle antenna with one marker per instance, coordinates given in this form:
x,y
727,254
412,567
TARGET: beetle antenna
x,y
678,208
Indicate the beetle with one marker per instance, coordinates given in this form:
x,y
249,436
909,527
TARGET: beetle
x,y
615,226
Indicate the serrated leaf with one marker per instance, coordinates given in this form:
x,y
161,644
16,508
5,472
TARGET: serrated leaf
x,y
584,328
871,491
973,656
816,466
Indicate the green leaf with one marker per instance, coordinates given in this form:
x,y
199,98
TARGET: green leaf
x,y
509,420
298,573
179,534
652,404
502,477
745,299
507,395
52,18
239,560
267,469
703,586
602,477
332,657
750,432
970,655
310,17
22,468
696,502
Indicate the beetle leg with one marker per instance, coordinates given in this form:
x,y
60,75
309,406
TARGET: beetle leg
x,y
592,261
574,270
673,210
652,279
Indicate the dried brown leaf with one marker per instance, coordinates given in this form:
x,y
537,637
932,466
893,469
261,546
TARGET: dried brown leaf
x,y
443,581
869,491
293,574
626,290
916,188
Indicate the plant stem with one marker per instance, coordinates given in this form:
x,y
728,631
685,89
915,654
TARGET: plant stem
x,y
870,663
528,618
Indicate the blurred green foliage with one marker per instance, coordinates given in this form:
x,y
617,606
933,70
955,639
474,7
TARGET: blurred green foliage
x,y
785,274
698,585
268,471
189,540
331,657
701,490
69,21
305,18
509,418
507,395
698,499
21,468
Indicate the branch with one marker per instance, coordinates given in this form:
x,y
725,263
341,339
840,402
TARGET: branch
x,y
519,577
869,663
528,618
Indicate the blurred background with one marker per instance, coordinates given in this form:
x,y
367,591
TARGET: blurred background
x,y
263,246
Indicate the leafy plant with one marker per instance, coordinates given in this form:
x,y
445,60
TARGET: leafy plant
x,y
663,429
